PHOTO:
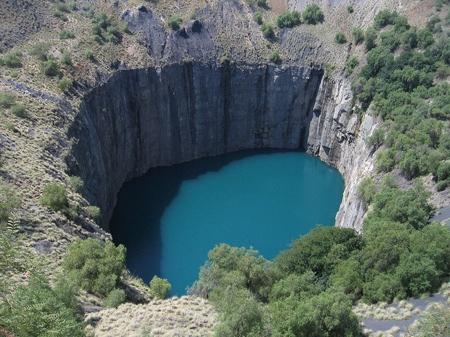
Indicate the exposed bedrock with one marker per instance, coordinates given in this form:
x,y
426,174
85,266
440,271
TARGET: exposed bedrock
x,y
144,118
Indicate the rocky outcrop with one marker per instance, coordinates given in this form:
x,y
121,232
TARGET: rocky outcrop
x,y
144,118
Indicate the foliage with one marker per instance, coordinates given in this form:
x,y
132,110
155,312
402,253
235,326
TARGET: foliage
x,y
19,110
384,18
8,201
55,197
275,57
36,309
6,100
358,35
50,68
115,298
340,38
93,212
106,29
259,18
175,22
12,60
66,59
370,38
268,30
76,183
40,50
65,84
435,322
313,14
64,35
289,19
95,266
350,9
367,190
159,287
351,64
89,54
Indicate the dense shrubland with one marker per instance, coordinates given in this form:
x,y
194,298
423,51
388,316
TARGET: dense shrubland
x,y
309,288
403,82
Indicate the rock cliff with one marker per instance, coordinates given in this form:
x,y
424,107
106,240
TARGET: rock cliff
x,y
144,118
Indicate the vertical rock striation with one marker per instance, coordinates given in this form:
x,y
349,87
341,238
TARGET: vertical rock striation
x,y
144,118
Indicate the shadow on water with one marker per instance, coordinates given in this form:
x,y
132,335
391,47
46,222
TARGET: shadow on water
x,y
136,220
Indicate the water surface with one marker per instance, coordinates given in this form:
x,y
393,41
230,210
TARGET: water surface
x,y
171,217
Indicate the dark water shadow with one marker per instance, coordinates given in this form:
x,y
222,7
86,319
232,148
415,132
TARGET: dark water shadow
x,y
136,220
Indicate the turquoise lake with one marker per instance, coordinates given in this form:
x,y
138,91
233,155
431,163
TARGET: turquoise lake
x,y
172,216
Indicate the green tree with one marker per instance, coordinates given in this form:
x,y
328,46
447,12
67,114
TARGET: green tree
x,y
115,298
159,287
268,30
95,266
313,14
358,35
340,38
55,197
289,19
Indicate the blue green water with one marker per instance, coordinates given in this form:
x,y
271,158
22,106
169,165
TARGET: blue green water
x,y
171,217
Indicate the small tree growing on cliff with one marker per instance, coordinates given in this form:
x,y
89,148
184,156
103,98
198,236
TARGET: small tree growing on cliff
x,y
55,197
95,266
313,14
159,287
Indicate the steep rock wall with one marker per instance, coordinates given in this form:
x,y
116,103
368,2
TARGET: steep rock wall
x,y
144,118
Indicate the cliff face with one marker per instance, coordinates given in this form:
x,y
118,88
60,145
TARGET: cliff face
x,y
140,119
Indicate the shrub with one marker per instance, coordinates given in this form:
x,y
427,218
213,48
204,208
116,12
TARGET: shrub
x,y
424,38
95,266
376,139
358,35
259,18
93,212
275,57
89,54
64,35
76,183
12,60
65,84
8,201
434,322
267,30
67,59
351,64
50,68
350,9
340,38
40,50
36,309
159,287
6,100
384,18
313,14
370,37
115,298
55,197
262,3
175,22
19,110
289,19
367,190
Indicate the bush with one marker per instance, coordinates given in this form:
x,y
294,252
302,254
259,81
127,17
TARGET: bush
x,y
367,190
340,38
93,212
384,18
50,68
350,9
289,19
434,322
175,22
40,50
64,35
376,139
19,110
6,100
55,197
67,59
159,288
313,14
259,18
267,30
371,37
95,266
115,298
76,183
89,54
65,84
36,309
358,35
262,3
351,64
8,201
12,60
275,57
